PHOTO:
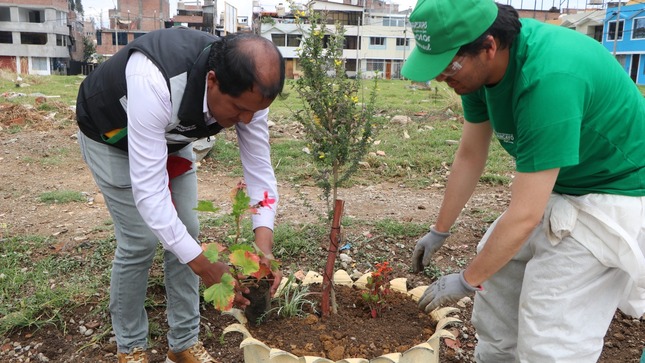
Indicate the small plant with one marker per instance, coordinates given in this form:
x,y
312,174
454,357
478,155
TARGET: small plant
x,y
378,287
292,300
243,259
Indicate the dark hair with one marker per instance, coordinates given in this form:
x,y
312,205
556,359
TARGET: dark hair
x,y
235,57
505,28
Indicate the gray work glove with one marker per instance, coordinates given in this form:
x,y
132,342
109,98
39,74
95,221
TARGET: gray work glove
x,y
426,247
448,289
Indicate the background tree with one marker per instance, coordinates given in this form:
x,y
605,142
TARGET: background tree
x,y
75,5
88,49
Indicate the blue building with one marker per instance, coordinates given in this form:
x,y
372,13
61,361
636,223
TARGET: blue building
x,y
624,36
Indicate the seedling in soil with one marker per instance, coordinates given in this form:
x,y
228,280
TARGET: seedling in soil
x,y
246,269
378,287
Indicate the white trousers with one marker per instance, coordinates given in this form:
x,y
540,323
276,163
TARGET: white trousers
x,y
554,301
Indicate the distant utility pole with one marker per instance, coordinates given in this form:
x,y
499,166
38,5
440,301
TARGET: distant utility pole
x,y
405,38
116,32
617,27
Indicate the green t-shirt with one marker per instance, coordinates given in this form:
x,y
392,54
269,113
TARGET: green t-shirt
x,y
566,103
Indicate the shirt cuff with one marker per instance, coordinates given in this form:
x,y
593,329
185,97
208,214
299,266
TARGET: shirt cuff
x,y
187,251
266,218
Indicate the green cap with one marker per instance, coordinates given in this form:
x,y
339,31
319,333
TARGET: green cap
x,y
440,28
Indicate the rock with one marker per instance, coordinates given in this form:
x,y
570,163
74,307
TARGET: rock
x,y
98,199
345,258
92,324
464,302
401,120
337,353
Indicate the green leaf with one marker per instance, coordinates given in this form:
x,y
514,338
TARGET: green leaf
x,y
206,206
240,247
247,262
240,203
222,294
212,253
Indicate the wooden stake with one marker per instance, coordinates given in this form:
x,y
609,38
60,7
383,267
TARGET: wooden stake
x,y
328,276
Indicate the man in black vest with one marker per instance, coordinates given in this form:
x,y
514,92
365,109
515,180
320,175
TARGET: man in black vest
x,y
138,114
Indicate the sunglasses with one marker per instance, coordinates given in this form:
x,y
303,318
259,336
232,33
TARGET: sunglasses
x,y
453,68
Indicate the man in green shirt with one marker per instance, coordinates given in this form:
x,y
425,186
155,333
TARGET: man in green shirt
x,y
552,269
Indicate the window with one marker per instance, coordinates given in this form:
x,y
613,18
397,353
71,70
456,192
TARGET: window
x,y
380,41
61,18
402,42
597,33
344,18
5,14
350,65
6,38
39,63
33,38
351,42
611,34
638,31
293,40
278,39
36,16
99,38
375,65
61,40
122,37
387,21
396,68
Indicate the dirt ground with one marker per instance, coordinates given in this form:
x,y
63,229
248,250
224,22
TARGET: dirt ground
x,y
44,156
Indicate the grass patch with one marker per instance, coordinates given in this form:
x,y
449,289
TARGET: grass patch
x,y
290,162
291,241
55,157
66,87
391,227
36,290
225,155
61,197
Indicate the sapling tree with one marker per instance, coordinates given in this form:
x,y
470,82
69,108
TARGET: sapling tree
x,y
338,128
337,114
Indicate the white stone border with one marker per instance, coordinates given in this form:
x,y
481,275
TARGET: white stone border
x,y
256,351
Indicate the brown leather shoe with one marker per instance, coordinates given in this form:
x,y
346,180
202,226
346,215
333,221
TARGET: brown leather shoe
x,y
195,354
137,355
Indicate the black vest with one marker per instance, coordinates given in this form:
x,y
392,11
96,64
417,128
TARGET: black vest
x,y
181,55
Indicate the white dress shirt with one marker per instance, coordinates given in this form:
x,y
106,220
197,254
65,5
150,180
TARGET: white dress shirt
x,y
149,110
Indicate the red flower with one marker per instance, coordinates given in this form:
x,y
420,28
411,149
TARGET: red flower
x,y
266,202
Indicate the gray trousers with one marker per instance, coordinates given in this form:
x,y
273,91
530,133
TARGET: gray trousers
x,y
554,302
136,247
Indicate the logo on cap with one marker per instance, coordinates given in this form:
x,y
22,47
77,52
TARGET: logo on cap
x,y
420,36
